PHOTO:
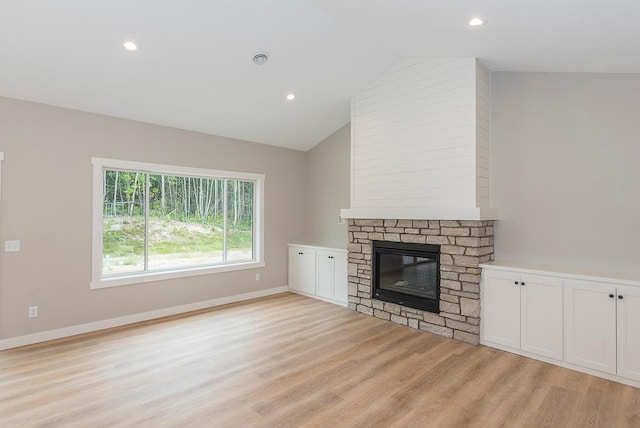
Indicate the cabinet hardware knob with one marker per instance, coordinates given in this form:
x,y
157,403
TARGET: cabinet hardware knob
x,y
611,295
620,296
301,253
522,283
516,282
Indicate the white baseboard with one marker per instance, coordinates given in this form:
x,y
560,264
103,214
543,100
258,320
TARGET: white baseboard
x,y
315,296
59,333
563,363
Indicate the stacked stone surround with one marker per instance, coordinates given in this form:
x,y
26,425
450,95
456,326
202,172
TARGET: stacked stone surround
x,y
463,246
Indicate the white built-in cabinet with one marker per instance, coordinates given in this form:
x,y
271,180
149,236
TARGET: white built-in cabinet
x,y
523,312
331,275
588,323
302,269
603,327
628,328
319,272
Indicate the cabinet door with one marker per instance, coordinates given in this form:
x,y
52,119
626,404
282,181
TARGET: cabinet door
x,y
302,270
590,324
331,275
325,274
340,278
501,308
628,332
541,318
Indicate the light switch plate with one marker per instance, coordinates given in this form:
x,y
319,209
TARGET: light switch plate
x,y
11,246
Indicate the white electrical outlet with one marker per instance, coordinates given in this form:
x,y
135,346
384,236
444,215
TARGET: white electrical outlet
x,y
33,311
11,246
257,277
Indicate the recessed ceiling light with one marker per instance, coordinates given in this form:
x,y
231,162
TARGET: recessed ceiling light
x,y
260,58
476,22
130,46
291,97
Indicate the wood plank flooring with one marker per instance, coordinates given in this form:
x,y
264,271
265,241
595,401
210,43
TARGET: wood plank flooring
x,y
290,361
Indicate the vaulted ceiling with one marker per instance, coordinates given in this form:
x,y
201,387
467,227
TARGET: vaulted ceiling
x,y
193,69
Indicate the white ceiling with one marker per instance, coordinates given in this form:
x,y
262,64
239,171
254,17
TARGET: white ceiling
x,y
194,70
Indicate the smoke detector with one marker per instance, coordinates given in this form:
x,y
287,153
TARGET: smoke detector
x,y
260,58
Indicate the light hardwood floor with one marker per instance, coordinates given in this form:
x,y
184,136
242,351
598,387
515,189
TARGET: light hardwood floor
x,y
292,361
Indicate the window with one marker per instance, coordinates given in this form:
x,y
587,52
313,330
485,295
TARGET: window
x,y
154,222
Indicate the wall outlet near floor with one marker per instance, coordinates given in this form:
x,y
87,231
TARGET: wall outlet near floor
x,y
257,277
33,311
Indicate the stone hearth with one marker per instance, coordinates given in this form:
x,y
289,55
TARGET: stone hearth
x,y
464,245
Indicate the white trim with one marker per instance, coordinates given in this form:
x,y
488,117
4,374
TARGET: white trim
x,y
328,300
225,217
319,247
96,230
172,169
432,213
560,363
352,152
302,293
623,278
315,296
172,274
99,164
324,299
258,217
44,336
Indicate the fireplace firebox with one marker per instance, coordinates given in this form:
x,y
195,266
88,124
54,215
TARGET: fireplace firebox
x,y
407,274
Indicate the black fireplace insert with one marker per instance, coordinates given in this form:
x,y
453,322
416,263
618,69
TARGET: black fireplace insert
x,y
407,274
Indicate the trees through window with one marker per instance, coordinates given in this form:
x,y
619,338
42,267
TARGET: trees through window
x,y
152,221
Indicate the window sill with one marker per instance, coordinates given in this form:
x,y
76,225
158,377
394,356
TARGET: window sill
x,y
174,274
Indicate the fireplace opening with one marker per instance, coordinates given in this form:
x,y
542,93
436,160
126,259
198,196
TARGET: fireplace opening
x,y
407,274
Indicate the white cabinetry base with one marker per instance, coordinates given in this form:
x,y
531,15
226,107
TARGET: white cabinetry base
x,y
318,272
565,364
581,321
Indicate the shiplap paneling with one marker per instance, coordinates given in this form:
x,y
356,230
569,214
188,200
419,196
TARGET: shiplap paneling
x,y
483,138
420,137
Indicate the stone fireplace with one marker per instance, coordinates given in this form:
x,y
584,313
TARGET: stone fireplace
x,y
420,174
464,244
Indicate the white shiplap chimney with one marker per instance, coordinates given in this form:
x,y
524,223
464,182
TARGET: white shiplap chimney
x,y
420,145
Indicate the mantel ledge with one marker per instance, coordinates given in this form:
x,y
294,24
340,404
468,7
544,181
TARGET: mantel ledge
x,y
431,213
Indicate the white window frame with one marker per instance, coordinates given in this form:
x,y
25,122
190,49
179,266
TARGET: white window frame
x,y
100,164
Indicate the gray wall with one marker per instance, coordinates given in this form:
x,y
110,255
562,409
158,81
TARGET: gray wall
x,y
328,166
564,148
45,146
565,175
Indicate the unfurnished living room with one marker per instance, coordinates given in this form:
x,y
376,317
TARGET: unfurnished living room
x,y
319,213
